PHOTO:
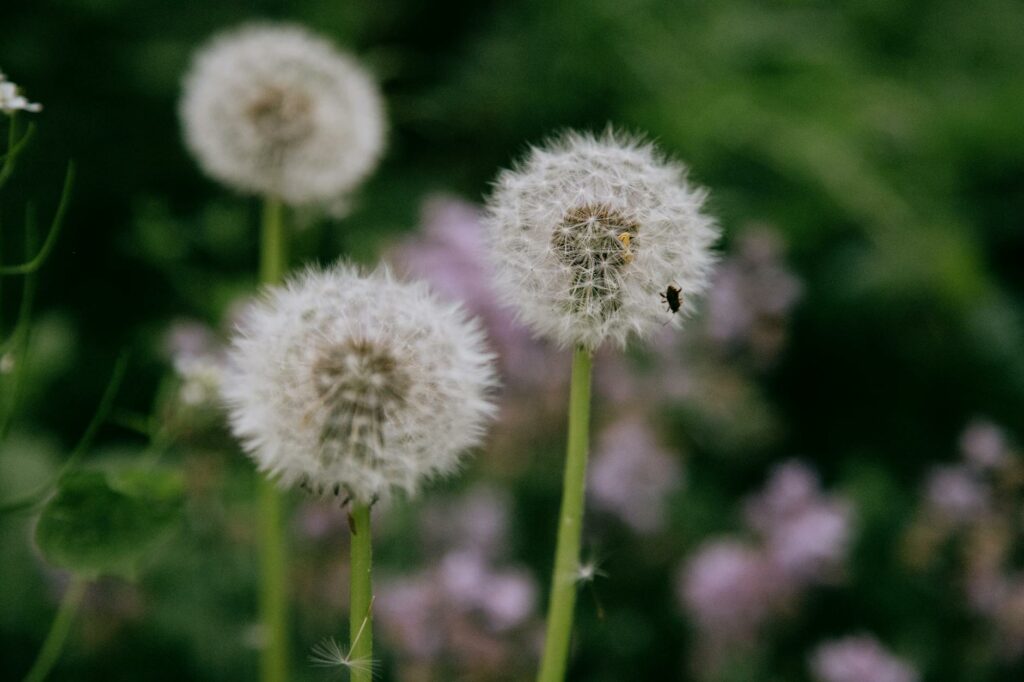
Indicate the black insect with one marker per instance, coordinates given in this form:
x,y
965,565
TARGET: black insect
x,y
673,298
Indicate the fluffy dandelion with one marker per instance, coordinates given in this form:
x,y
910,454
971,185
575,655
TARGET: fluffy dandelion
x,y
593,239
357,385
588,232
11,99
277,111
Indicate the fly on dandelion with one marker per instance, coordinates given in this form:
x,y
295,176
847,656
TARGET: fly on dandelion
x,y
673,298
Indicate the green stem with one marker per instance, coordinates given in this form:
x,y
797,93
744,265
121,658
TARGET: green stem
x,y
570,525
361,597
273,594
54,644
273,251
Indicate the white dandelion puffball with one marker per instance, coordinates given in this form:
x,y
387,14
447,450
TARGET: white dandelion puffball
x,y
592,238
357,385
275,110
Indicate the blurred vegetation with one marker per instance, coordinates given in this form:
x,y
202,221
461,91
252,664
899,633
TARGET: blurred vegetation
x,y
882,140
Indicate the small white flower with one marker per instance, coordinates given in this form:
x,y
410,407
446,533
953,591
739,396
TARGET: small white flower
x,y
344,383
273,109
588,232
11,99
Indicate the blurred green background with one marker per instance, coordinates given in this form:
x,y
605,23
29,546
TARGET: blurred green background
x,y
882,142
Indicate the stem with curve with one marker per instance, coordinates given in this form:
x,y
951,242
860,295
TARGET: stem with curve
x,y
54,644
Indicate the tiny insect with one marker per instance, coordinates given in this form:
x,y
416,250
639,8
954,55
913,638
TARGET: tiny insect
x,y
673,298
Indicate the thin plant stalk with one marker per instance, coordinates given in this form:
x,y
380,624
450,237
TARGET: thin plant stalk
x,y
273,592
570,525
361,596
58,635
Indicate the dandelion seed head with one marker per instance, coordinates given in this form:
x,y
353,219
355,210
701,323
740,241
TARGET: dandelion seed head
x,y
586,233
340,381
273,109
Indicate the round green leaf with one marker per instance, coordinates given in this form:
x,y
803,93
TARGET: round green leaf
x,y
105,522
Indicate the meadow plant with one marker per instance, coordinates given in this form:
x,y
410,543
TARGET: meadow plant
x,y
733,586
593,240
858,659
633,475
972,506
357,386
468,611
275,111
91,522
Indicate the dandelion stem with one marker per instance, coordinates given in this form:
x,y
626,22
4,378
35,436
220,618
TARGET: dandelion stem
x,y
570,524
54,644
273,595
360,594
273,254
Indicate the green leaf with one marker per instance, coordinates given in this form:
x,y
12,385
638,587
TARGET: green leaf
x,y
103,523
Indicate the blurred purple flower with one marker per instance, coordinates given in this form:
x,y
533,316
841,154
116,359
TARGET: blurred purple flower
x,y
187,340
632,475
477,520
465,609
791,488
729,589
983,445
859,659
449,253
956,494
405,611
752,294
459,608
807,534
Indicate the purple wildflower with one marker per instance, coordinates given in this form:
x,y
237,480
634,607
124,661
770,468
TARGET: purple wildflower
x,y
752,295
729,589
983,445
859,659
956,494
632,475
807,534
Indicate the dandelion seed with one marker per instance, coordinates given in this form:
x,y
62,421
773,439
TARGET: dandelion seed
x,y
358,384
275,110
328,653
586,232
589,571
